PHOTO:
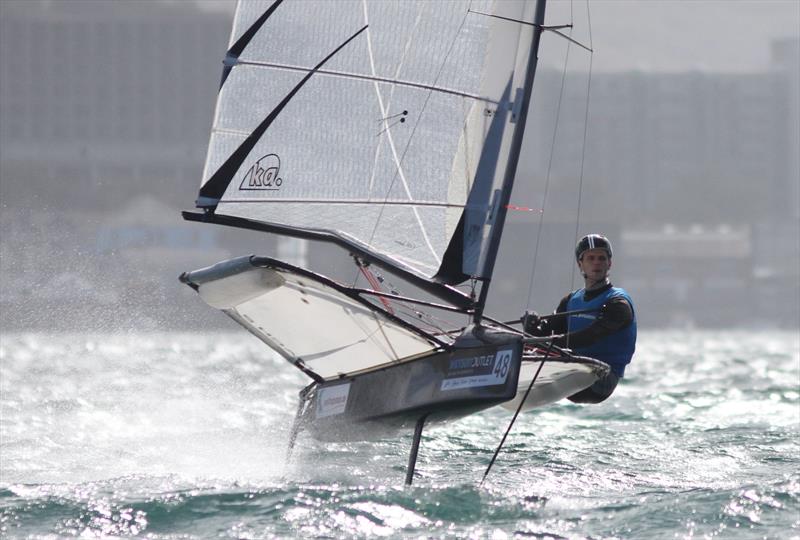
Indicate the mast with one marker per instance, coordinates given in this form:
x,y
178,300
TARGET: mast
x,y
513,159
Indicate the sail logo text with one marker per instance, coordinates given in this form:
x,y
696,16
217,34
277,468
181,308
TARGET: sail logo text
x,y
263,175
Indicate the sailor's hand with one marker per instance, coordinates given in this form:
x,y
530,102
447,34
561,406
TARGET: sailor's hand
x,y
530,321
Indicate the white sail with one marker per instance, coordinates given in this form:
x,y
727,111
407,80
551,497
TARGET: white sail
x,y
390,141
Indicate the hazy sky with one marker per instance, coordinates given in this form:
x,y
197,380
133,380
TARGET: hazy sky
x,y
680,35
668,35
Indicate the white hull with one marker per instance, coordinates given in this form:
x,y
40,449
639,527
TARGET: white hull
x,y
556,381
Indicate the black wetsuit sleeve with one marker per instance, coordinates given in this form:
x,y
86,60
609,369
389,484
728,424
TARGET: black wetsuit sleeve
x,y
554,325
615,315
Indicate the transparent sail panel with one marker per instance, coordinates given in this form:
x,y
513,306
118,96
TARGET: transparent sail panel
x,y
386,143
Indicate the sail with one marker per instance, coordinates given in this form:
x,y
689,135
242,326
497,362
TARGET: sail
x,y
397,143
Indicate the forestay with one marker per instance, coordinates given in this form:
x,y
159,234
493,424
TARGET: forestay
x,y
397,143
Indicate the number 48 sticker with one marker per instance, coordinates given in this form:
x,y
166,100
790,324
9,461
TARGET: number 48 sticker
x,y
502,363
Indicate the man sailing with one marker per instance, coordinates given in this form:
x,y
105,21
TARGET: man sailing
x,y
604,326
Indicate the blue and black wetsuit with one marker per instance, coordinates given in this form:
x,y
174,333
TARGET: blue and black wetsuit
x,y
608,334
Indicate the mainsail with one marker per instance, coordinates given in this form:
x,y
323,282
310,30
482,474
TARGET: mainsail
x,y
396,144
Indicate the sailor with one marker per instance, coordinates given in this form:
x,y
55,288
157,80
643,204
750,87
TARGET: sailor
x,y
602,324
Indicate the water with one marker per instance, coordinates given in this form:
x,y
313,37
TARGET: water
x,y
183,436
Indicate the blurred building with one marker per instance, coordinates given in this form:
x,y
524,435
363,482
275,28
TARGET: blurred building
x,y
105,110
687,275
695,175
729,140
101,101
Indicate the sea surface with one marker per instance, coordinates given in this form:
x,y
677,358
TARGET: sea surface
x,y
184,436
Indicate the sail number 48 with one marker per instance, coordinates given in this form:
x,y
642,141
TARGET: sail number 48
x,y
502,363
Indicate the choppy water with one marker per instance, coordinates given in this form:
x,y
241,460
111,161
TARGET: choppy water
x,y
183,436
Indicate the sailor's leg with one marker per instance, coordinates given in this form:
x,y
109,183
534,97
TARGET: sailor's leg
x,y
600,391
412,457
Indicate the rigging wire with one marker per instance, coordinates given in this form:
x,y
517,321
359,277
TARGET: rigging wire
x,y
399,173
432,321
585,135
398,308
383,120
583,150
549,170
516,413
424,106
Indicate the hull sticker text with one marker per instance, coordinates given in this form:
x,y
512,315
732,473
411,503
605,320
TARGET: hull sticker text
x,y
476,371
332,400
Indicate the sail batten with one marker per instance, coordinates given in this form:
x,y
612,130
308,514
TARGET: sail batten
x,y
236,49
376,78
436,204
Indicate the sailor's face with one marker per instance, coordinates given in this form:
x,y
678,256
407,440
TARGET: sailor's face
x,y
595,264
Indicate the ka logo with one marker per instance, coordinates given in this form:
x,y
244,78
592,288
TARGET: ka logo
x,y
263,174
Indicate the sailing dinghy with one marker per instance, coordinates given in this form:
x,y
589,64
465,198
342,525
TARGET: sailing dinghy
x,y
391,130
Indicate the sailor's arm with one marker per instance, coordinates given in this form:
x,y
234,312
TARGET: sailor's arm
x,y
550,325
615,315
